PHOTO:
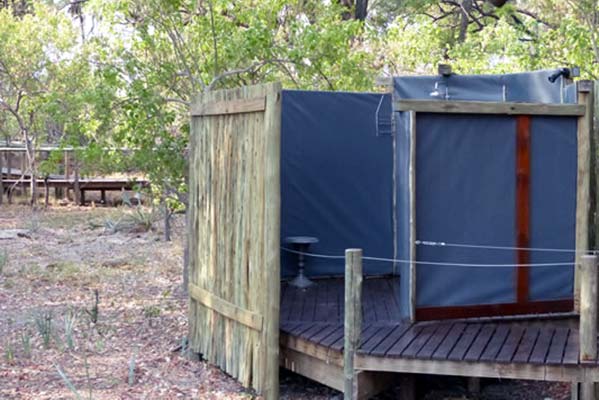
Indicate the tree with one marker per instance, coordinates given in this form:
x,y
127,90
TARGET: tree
x,y
33,49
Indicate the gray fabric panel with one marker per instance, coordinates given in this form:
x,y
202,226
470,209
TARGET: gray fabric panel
x,y
465,191
522,87
336,177
553,204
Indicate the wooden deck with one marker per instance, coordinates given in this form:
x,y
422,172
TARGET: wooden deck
x,y
517,348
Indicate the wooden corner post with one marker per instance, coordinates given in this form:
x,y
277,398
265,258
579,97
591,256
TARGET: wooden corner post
x,y
588,318
588,308
585,124
353,320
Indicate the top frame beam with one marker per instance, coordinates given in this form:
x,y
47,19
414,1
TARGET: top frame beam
x,y
485,107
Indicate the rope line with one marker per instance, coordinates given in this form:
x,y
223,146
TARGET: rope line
x,y
491,247
436,263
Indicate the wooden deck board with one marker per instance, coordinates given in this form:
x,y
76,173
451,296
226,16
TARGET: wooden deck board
x,y
511,344
421,340
526,345
495,344
315,316
480,343
463,345
446,346
558,346
541,348
382,348
435,340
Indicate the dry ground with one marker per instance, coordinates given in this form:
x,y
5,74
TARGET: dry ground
x,y
52,263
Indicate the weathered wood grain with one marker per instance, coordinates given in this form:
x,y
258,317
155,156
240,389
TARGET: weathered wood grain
x,y
233,232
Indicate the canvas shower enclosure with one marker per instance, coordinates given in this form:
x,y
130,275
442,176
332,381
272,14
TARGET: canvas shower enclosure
x,y
457,160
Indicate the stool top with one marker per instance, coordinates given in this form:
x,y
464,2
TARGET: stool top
x,y
301,239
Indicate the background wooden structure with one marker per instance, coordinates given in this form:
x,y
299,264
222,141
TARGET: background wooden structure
x,y
234,233
15,175
355,340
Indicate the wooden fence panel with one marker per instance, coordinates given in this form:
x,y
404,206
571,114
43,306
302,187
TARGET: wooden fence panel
x,y
234,225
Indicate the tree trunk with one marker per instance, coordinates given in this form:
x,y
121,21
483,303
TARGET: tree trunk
x,y
32,166
361,11
47,193
464,19
167,222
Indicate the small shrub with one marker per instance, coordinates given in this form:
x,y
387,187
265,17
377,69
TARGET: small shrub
x,y
43,322
26,343
69,324
3,260
9,353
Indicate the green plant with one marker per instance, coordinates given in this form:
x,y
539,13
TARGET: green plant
x,y
131,377
68,382
43,322
26,342
151,311
95,310
69,324
3,260
9,352
184,346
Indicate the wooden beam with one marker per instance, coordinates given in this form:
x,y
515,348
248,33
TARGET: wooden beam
x,y
545,372
353,320
330,375
503,309
522,206
271,243
322,353
588,319
238,106
482,107
246,317
412,221
588,308
585,123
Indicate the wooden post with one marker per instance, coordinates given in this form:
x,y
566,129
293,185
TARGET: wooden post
x,y
66,173
588,318
2,177
585,123
588,308
412,222
353,320
407,387
9,174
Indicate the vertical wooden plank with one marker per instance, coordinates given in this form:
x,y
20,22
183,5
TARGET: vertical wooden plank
x,y
522,205
585,97
272,229
588,308
2,177
412,193
353,320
